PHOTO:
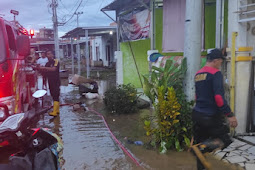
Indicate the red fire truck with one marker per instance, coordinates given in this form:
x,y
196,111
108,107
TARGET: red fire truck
x,y
15,90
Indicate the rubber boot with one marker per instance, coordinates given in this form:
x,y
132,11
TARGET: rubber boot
x,y
55,111
57,107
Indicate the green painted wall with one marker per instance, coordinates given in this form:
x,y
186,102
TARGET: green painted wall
x,y
141,47
210,23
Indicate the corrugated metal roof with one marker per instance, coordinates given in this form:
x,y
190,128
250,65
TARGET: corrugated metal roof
x,y
123,5
92,31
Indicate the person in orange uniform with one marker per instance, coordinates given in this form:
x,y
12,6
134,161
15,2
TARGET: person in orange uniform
x,y
51,70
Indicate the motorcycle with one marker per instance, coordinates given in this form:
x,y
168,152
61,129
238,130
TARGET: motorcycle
x,y
15,128
38,149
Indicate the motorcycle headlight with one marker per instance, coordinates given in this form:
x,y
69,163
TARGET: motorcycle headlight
x,y
12,122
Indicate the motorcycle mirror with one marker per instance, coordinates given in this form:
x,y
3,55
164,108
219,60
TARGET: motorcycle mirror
x,y
39,93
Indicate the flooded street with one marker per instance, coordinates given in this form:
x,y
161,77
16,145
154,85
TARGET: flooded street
x,y
88,143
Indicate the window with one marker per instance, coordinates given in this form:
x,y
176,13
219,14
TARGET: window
x,y
173,26
11,40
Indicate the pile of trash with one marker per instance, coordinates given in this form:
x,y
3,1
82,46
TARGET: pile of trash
x,y
87,87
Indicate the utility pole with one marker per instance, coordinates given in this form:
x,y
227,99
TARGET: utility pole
x,y
78,51
55,27
192,44
72,54
152,25
78,13
87,52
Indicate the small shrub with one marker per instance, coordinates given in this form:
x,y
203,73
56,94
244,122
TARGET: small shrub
x,y
122,99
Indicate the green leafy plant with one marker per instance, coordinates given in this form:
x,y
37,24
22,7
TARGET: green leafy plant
x,y
171,126
170,75
122,99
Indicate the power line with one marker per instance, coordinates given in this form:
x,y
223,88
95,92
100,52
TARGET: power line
x,y
62,24
49,8
69,10
84,4
77,2
64,12
64,6
100,5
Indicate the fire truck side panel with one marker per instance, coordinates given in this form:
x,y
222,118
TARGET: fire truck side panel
x,y
14,81
5,67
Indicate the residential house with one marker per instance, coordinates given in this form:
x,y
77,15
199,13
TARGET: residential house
x,y
102,43
225,23
156,27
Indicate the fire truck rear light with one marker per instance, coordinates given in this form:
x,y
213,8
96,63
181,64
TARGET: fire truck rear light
x,y
32,32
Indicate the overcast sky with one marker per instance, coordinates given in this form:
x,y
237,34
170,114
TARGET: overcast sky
x,y
38,14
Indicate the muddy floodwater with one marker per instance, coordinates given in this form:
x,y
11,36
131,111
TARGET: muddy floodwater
x,y
89,145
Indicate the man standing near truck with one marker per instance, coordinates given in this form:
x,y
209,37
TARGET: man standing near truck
x,y
42,62
51,70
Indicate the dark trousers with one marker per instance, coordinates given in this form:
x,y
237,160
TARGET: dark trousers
x,y
209,127
44,78
54,86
